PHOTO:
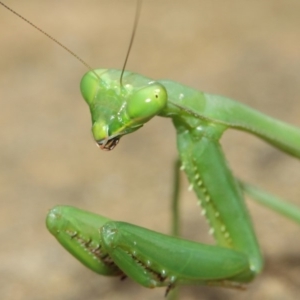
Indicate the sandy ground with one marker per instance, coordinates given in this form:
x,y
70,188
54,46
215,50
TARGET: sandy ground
x,y
247,50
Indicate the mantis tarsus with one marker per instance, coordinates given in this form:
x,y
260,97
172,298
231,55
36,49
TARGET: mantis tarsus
x,y
297,147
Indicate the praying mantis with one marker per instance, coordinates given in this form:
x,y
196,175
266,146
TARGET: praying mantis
x,y
123,139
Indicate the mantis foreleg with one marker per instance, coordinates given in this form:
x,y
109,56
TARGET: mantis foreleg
x,y
146,256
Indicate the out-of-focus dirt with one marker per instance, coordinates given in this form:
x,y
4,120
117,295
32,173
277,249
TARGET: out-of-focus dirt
x,y
247,50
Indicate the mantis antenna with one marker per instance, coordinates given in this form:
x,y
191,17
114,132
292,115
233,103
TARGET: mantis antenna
x,y
135,24
51,38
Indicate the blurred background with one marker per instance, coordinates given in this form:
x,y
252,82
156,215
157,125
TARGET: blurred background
x,y
246,50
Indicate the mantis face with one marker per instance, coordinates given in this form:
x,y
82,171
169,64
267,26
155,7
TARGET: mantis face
x,y
120,109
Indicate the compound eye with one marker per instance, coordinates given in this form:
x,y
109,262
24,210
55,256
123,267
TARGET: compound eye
x,y
147,102
108,144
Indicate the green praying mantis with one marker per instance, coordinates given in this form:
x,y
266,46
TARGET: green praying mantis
x,y
152,259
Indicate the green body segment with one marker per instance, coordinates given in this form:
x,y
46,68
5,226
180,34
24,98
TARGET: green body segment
x,y
78,232
150,258
160,260
218,195
288,210
232,114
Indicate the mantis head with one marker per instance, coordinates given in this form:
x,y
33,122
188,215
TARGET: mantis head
x,y
117,109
